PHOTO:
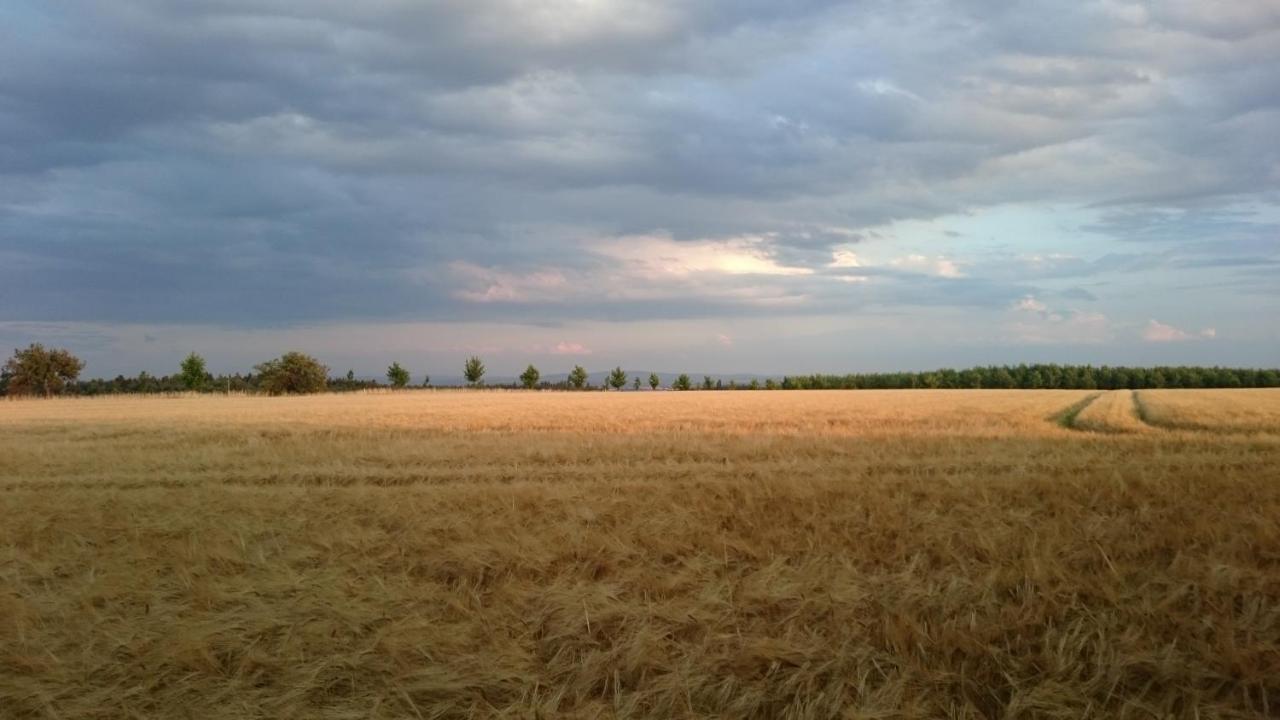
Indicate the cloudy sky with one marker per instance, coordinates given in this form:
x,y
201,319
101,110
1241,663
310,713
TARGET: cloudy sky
x,y
705,185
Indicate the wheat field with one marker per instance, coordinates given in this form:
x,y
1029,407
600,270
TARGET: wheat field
x,y
859,554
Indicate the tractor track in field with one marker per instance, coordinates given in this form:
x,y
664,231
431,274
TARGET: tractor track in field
x,y
1134,420
1067,417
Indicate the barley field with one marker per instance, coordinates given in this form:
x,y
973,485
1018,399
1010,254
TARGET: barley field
x,y
450,554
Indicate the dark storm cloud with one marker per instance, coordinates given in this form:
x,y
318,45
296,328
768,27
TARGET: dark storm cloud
x,y
264,163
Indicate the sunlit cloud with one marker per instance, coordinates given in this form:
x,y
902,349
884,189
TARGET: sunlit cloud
x,y
659,256
937,265
844,259
1158,332
570,348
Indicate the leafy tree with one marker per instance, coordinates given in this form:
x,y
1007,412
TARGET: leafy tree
x,y
291,374
706,382
755,384
578,377
636,385
617,378
473,370
194,375
770,384
426,381
40,371
654,381
397,376
351,376
530,377
682,382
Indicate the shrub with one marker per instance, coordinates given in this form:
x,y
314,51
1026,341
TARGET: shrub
x,y
293,373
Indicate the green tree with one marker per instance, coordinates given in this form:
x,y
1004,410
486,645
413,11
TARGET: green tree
x,y
194,375
529,378
41,371
617,378
770,384
578,377
635,385
654,381
682,382
426,381
473,370
293,373
706,383
397,376
754,385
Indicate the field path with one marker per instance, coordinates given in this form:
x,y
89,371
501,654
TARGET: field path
x,y
1115,411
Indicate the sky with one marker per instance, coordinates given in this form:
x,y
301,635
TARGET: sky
x,y
723,186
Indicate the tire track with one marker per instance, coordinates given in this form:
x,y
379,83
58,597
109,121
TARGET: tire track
x,y
1067,417
1114,412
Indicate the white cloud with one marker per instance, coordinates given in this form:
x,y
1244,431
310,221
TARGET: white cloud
x,y
724,340
660,256
844,259
938,265
1159,332
570,348
1030,304
491,285
1041,326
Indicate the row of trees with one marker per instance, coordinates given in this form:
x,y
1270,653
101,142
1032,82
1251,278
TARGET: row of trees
x,y
48,371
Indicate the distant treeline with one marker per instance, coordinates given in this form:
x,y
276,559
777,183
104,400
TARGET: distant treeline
x,y
38,370
1049,377
145,383
1029,377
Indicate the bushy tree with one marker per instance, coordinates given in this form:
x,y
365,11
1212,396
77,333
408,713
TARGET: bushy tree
x,y
770,384
654,381
706,382
617,378
426,381
578,377
473,370
529,378
397,376
194,375
40,371
754,385
636,384
293,373
682,382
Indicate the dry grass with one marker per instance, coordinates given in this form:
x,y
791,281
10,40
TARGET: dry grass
x,y
1220,410
804,554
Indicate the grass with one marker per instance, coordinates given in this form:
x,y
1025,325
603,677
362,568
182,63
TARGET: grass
x,y
787,554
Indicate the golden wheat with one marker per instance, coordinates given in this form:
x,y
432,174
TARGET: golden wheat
x,y
770,554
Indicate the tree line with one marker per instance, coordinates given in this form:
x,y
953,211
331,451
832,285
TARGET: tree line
x,y
52,371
